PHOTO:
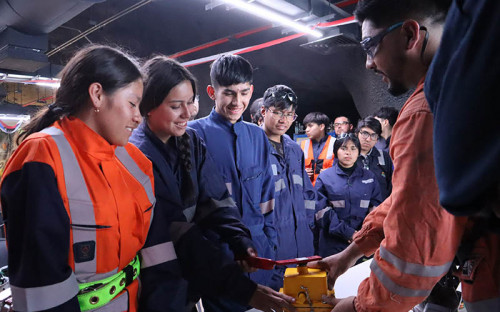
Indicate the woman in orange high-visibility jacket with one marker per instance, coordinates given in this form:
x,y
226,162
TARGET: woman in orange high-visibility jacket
x,y
77,198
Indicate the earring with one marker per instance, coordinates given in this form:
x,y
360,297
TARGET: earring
x,y
96,110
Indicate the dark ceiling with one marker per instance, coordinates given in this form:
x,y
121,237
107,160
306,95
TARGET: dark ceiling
x,y
337,84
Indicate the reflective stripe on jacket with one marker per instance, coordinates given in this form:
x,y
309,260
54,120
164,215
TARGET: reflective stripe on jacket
x,y
325,158
74,233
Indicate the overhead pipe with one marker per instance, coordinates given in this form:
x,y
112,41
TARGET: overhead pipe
x,y
98,26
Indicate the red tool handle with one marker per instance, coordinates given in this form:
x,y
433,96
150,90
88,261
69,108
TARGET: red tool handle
x,y
268,264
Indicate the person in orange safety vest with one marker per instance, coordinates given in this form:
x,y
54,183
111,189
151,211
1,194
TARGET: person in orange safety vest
x,y
77,198
318,147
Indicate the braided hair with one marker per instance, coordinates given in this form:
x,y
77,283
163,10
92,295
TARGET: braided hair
x,y
110,67
162,75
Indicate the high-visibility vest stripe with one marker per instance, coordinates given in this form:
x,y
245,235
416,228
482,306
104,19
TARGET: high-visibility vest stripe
x,y
157,254
226,202
80,205
44,297
310,204
267,207
394,287
329,151
338,203
298,180
414,268
322,212
279,185
307,143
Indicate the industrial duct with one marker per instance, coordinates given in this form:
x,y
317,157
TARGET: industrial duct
x,y
24,28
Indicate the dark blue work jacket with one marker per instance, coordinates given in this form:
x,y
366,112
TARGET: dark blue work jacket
x,y
206,268
241,153
380,163
343,203
295,201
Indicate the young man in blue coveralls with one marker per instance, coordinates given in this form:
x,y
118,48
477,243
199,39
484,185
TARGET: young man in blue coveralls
x,y
294,195
241,152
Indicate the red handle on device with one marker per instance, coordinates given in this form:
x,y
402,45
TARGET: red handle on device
x,y
268,264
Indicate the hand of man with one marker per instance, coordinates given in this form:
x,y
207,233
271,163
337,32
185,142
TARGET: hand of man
x,y
344,305
337,264
268,300
309,172
244,265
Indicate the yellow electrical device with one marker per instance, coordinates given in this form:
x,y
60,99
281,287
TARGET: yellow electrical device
x,y
307,286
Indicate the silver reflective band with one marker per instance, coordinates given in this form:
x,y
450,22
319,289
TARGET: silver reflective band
x,y
267,207
80,205
189,213
381,160
306,148
322,212
310,204
364,203
395,288
177,229
297,180
44,297
414,268
157,254
118,304
338,203
329,152
275,169
132,167
229,187
484,305
279,185
227,202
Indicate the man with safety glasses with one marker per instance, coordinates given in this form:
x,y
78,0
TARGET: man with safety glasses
x,y
294,195
413,239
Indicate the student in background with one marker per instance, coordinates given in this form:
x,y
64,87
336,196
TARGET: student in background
x,y
372,158
318,147
346,193
242,156
341,125
77,198
191,199
387,117
255,114
294,195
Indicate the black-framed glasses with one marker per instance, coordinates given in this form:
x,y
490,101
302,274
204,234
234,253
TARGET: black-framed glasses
x,y
279,114
365,135
338,124
291,97
369,44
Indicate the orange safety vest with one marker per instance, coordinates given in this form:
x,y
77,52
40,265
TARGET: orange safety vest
x,y
325,158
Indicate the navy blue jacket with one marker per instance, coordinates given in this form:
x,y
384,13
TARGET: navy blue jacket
x,y
295,201
380,163
462,90
204,266
343,203
241,153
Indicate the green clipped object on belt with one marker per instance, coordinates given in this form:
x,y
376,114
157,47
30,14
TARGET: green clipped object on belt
x,y
96,294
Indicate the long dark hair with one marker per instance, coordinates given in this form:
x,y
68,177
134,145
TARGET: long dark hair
x,y
162,75
110,67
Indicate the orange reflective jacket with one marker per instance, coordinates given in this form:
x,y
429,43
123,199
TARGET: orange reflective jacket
x,y
120,209
325,158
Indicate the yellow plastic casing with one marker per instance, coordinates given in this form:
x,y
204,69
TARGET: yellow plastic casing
x,y
307,286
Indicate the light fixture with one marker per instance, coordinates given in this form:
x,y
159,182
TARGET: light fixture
x,y
272,16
